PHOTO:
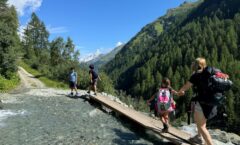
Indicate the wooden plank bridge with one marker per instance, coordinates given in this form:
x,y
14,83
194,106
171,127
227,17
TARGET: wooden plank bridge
x,y
174,135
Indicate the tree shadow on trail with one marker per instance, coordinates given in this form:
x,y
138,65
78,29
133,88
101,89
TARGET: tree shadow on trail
x,y
38,76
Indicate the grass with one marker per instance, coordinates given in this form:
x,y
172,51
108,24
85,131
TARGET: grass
x,y
48,82
9,84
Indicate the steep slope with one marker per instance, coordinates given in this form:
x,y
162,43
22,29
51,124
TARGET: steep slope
x,y
210,29
133,54
105,58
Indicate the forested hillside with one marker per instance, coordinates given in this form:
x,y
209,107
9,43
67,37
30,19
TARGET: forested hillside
x,y
9,46
52,59
105,58
207,28
133,54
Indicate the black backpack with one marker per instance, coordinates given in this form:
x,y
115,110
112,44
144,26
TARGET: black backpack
x,y
211,88
217,83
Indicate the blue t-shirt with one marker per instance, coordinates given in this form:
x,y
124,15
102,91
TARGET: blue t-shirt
x,y
73,77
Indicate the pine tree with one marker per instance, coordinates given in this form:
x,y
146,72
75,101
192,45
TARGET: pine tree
x,y
9,40
56,47
35,42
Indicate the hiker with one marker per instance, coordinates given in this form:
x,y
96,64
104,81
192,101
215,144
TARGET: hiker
x,y
93,79
73,81
164,103
204,105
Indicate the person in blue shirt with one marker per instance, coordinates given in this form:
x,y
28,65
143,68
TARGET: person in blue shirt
x,y
73,81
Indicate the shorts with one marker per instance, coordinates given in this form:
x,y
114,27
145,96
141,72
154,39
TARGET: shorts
x,y
94,82
72,84
198,108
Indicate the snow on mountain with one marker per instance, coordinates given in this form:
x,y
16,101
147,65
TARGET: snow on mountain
x,y
90,57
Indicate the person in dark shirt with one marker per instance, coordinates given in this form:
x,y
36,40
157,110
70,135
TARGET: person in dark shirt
x,y
93,79
202,111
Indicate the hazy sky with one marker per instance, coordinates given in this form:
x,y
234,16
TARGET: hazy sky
x,y
94,25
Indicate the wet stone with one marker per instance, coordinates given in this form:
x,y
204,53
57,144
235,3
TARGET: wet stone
x,y
51,120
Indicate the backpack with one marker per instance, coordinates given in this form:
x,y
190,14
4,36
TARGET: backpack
x,y
164,97
212,87
94,74
216,81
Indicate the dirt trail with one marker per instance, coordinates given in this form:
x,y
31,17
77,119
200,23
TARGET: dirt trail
x,y
28,80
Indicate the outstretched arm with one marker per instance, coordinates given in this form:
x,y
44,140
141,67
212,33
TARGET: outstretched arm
x,y
99,78
187,86
174,92
149,100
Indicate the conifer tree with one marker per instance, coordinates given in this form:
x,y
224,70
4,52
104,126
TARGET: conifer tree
x,y
9,40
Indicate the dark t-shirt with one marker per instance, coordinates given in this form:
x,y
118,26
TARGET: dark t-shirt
x,y
201,89
94,74
200,81
204,95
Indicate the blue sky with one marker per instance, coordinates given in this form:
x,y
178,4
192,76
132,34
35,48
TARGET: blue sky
x,y
94,25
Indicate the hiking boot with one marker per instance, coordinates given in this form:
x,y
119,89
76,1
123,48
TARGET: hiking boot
x,y
165,128
197,139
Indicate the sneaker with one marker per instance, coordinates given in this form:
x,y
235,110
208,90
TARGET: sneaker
x,y
197,139
77,94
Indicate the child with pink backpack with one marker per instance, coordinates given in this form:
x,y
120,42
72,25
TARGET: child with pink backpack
x,y
164,103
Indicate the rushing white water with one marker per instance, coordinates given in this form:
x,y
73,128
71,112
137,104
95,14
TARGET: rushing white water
x,y
53,118
4,114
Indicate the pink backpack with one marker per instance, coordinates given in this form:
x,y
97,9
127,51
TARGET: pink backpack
x,y
164,98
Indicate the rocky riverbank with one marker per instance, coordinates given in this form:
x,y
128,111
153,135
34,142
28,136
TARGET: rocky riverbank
x,y
219,137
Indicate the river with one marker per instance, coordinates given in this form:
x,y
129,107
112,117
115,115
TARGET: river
x,y
39,117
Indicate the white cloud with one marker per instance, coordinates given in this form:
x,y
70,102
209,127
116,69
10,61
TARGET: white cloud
x,y
56,30
21,31
23,6
119,43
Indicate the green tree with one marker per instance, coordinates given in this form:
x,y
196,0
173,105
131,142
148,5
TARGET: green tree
x,y
56,48
35,41
9,40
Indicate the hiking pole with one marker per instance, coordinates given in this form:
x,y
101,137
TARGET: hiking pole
x,y
189,117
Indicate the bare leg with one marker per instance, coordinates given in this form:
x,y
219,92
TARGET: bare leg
x,y
95,88
201,125
164,119
76,90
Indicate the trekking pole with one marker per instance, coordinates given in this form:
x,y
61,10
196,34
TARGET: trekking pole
x,y
189,117
189,112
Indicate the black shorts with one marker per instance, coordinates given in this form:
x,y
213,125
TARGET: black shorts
x,y
72,84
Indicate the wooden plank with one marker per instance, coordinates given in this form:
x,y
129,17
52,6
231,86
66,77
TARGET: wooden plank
x,y
176,136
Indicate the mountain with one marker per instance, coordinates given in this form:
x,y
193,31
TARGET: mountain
x,y
167,47
105,58
140,46
91,57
